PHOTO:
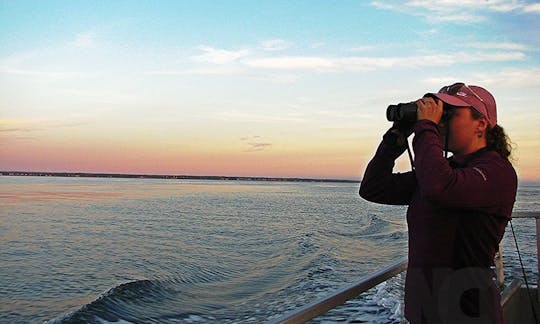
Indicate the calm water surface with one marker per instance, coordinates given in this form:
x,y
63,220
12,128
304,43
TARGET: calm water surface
x,y
167,251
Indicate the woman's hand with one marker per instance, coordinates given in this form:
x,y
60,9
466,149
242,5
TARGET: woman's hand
x,y
429,108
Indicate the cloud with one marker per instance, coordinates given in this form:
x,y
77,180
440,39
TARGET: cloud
x,y
515,78
255,146
213,70
18,130
366,63
460,5
275,45
459,11
220,56
364,48
441,11
258,146
252,63
495,57
27,126
498,46
532,7
46,74
19,126
384,5
249,137
508,78
293,63
35,64
62,60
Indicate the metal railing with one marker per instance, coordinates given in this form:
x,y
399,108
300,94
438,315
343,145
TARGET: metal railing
x,y
321,306
535,215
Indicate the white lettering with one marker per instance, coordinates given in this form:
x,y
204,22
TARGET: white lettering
x,y
481,173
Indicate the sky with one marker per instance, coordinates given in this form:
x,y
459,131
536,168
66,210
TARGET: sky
x,y
250,88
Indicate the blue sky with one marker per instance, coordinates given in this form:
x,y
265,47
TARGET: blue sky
x,y
271,88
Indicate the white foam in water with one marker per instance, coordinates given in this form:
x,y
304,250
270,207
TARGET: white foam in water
x,y
194,319
381,304
121,321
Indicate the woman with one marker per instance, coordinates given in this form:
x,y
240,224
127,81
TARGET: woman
x,y
458,207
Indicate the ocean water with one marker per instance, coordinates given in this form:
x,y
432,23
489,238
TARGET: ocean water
x,y
102,250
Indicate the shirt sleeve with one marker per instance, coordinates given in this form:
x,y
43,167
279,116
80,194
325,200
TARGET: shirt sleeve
x,y
380,185
488,184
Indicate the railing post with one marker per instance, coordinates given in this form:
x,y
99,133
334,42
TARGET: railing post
x,y
538,257
499,267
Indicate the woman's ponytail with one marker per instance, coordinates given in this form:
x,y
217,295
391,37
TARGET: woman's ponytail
x,y
498,141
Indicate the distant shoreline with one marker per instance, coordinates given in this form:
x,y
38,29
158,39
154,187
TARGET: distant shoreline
x,y
163,176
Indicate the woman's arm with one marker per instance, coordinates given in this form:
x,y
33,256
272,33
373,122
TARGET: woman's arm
x,y
379,184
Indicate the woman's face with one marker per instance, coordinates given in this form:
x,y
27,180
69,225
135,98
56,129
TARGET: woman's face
x,y
462,129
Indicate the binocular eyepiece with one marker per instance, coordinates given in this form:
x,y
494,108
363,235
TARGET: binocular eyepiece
x,y
407,112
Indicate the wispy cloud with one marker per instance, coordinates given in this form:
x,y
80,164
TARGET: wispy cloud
x,y
518,78
497,46
28,126
46,74
264,62
293,63
460,11
50,62
365,63
209,70
510,78
255,146
220,56
19,126
436,12
275,45
445,5
247,138
258,146
18,130
364,48
255,63
532,7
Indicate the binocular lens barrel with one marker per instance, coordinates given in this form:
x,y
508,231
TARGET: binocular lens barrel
x,y
402,112
406,112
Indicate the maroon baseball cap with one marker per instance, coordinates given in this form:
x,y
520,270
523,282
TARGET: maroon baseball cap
x,y
462,95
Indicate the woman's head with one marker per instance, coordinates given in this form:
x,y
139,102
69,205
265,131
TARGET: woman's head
x,y
474,122
478,98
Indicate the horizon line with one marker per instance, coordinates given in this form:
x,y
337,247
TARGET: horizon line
x,y
169,176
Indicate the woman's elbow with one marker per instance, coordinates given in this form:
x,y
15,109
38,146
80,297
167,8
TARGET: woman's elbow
x,y
366,192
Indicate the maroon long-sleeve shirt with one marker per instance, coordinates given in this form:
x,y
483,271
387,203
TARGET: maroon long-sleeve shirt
x,y
458,211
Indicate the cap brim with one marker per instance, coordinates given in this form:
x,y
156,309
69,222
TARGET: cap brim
x,y
451,100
